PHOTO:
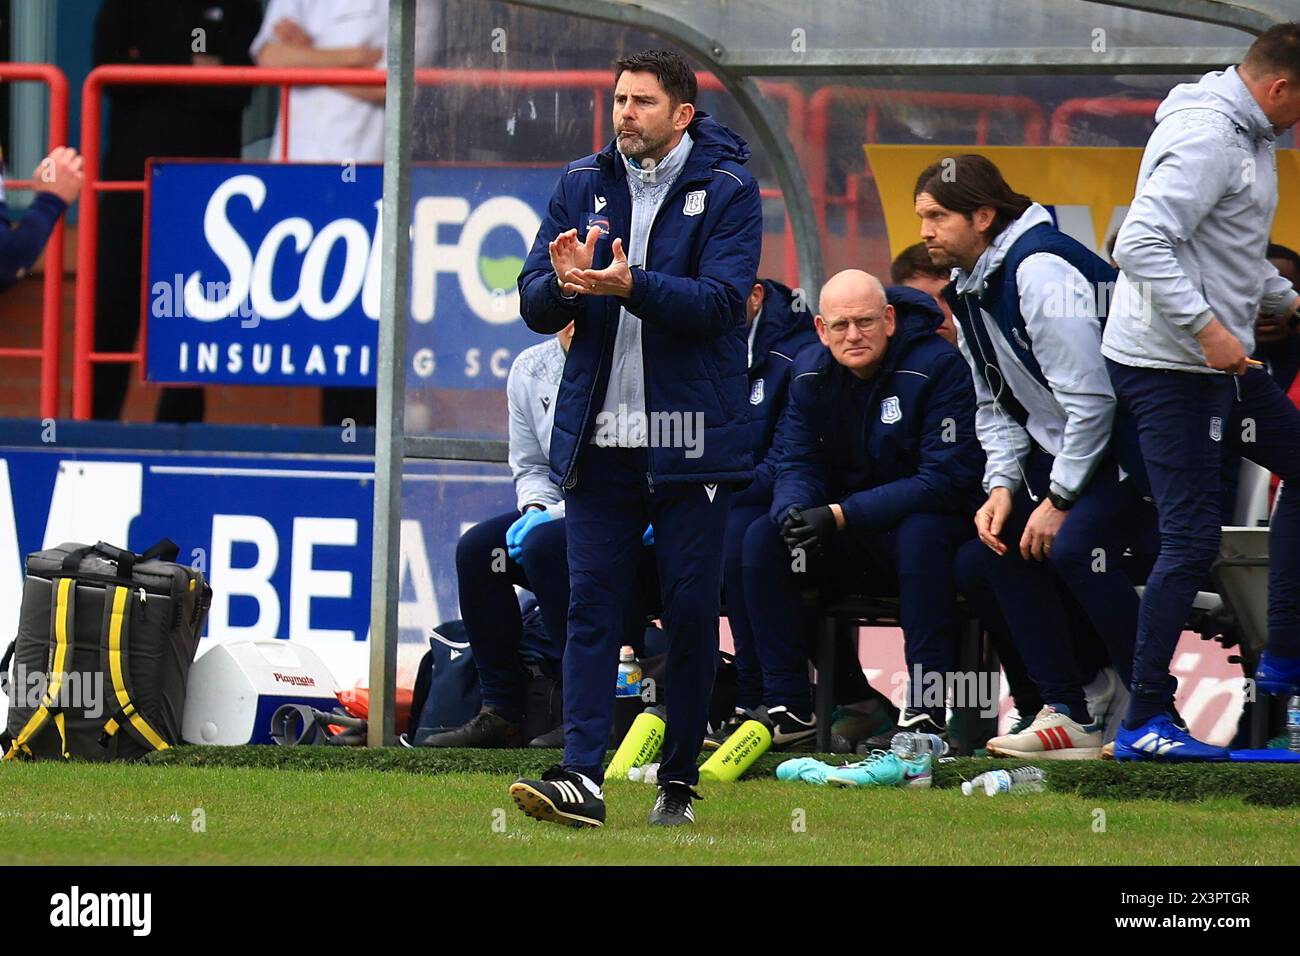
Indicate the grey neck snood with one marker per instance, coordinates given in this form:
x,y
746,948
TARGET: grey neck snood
x,y
665,171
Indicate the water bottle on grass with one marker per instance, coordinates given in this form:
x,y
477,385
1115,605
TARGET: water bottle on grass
x,y
993,782
644,740
738,752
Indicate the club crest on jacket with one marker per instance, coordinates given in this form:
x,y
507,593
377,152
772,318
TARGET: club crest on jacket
x,y
891,411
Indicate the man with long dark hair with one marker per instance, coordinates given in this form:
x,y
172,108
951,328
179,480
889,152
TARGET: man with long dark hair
x,y
1029,301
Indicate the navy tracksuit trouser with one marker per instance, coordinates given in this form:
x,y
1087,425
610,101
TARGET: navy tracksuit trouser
x,y
749,672
1108,518
1185,420
851,684
485,579
975,586
606,514
913,560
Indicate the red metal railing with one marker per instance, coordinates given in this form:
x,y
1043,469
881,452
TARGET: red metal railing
x,y
47,353
1065,114
84,356
980,105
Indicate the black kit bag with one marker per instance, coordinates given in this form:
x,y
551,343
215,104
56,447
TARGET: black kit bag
x,y
447,685
452,693
105,642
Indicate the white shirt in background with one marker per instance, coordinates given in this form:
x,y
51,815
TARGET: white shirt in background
x,y
324,124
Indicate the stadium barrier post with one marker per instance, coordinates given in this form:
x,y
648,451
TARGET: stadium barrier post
x,y
390,431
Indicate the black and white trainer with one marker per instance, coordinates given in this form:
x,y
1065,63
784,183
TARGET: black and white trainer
x,y
790,731
561,796
673,808
728,727
911,721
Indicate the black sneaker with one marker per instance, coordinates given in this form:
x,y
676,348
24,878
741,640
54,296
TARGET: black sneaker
x,y
486,729
912,721
853,723
673,808
729,726
551,740
559,797
790,731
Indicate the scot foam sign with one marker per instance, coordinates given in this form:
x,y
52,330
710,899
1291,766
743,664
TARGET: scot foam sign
x,y
263,273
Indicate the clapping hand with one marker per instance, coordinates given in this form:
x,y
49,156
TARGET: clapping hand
x,y
614,279
569,256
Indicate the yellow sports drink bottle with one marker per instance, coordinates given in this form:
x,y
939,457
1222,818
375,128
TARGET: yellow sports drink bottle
x,y
641,745
747,744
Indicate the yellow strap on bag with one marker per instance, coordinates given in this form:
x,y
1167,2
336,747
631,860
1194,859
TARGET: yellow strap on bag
x,y
62,622
118,628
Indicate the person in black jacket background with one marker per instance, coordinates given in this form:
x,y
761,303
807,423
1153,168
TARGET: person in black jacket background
x,y
780,326
146,121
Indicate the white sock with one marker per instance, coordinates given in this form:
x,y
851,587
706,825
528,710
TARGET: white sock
x,y
590,785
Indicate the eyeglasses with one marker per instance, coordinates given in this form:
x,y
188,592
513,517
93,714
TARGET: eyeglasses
x,y
864,323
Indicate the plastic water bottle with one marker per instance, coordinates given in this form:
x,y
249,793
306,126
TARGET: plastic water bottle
x,y
647,774
908,744
629,674
1293,724
644,740
737,753
1020,780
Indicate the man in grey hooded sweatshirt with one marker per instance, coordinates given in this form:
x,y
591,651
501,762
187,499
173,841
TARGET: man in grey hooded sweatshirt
x,y
1182,323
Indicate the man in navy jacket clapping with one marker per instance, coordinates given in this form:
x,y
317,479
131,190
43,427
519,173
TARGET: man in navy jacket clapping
x,y
650,247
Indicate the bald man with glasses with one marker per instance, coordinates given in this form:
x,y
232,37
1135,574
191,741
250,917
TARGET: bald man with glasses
x,y
878,476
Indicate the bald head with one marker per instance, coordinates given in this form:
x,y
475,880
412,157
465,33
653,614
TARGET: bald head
x,y
859,292
855,321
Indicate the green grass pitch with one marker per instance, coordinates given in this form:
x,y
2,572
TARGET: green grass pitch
x,y
325,806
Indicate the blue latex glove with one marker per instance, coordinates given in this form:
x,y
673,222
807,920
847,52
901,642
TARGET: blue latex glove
x,y
525,523
648,538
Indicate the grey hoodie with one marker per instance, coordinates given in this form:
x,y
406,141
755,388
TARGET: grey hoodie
x,y
531,390
1072,419
1192,245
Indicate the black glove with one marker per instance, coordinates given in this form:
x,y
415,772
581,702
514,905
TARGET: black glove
x,y
792,518
808,530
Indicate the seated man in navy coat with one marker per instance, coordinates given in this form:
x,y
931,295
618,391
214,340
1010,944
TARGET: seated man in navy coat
x,y
878,476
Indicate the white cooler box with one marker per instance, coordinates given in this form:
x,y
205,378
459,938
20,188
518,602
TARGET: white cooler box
x,y
234,689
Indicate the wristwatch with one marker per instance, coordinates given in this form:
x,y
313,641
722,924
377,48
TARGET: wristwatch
x,y
1060,503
